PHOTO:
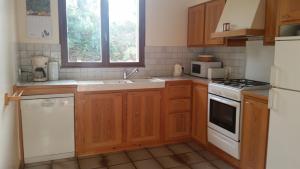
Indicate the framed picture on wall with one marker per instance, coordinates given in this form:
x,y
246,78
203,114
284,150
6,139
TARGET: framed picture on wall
x,y
38,7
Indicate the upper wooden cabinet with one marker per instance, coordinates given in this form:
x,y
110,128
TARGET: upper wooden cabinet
x,y
271,25
199,115
254,133
98,122
143,117
196,22
289,11
213,14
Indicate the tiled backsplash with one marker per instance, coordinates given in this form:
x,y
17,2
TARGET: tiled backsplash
x,y
159,61
234,57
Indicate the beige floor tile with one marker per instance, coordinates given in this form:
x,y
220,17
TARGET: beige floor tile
x,y
39,167
91,163
221,164
192,158
170,161
64,160
141,154
180,148
147,164
65,165
208,156
123,166
116,158
204,165
160,151
195,146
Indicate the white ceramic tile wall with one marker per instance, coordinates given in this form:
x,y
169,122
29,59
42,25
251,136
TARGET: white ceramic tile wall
x,y
159,62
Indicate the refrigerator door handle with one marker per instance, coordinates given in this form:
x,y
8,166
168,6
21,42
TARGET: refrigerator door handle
x,y
272,104
274,75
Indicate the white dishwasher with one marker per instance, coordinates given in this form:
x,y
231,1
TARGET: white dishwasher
x,y
48,127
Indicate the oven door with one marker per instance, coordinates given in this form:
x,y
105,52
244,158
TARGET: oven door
x,y
224,116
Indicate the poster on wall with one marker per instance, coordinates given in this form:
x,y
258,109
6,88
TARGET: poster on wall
x,y
39,23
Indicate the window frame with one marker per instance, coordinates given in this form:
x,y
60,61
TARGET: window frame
x,y
63,38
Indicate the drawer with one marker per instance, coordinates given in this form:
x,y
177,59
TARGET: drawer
x,y
179,105
179,91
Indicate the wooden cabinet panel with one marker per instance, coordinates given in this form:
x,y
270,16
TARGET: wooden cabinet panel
x,y
213,14
98,121
196,22
271,25
143,116
199,115
179,91
180,105
254,134
177,115
178,126
289,11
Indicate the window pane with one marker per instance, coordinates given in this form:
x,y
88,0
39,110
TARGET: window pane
x,y
84,30
124,30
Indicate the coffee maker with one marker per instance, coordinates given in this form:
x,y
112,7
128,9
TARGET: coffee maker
x,y
40,68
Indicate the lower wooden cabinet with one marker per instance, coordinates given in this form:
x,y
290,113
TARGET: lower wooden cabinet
x,y
199,114
177,117
99,120
143,117
254,133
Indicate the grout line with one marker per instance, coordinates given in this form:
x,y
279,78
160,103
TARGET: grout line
x,y
188,165
154,158
131,161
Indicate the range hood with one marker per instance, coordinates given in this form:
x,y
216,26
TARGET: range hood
x,y
246,18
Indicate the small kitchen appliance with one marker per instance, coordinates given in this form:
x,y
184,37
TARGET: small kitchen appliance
x,y
40,68
177,70
225,112
200,69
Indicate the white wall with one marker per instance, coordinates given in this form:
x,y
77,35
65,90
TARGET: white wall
x,y
166,22
259,61
9,148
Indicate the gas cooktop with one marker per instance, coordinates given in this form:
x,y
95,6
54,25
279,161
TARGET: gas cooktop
x,y
240,83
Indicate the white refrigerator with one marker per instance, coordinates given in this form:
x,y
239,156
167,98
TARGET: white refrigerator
x,y
284,103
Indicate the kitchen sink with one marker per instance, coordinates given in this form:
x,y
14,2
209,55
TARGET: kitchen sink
x,y
106,85
116,81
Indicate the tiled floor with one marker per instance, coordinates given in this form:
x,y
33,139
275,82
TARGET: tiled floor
x,y
175,156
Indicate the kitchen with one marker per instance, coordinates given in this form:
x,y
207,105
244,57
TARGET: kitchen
x,y
167,84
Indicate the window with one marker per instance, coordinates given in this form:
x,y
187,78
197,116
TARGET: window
x,y
102,33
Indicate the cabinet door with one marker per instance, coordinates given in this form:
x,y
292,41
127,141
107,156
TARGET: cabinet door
x,y
213,14
196,22
254,134
199,116
271,25
178,126
98,122
289,11
143,116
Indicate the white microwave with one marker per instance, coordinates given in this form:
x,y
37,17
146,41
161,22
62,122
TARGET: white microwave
x,y
200,69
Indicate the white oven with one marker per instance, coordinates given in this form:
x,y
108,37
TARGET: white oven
x,y
224,124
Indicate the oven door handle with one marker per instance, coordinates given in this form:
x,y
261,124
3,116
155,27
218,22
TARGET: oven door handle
x,y
224,100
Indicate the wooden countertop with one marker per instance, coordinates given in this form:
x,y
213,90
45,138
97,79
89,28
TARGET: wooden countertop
x,y
259,94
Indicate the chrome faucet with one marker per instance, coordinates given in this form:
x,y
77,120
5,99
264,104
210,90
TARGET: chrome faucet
x,y
127,75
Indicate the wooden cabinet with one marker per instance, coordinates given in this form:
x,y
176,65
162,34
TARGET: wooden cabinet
x,y
199,115
213,14
254,133
196,22
178,110
289,11
271,25
98,122
143,117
